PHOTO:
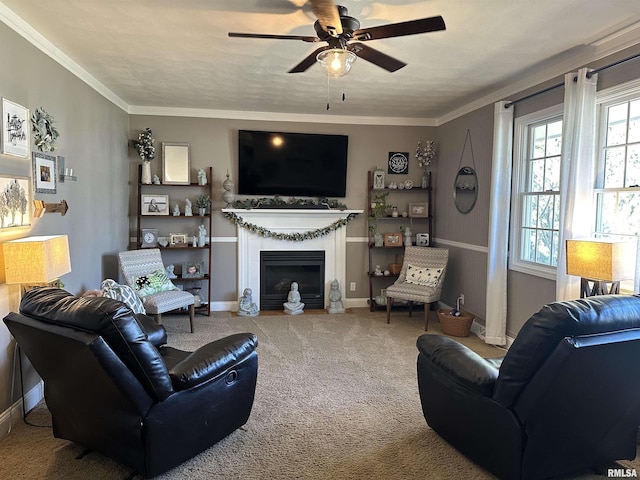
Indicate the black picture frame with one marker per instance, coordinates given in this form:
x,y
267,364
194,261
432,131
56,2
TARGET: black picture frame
x,y
398,163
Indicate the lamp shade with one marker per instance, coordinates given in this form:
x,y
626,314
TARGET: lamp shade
x,y
599,259
35,260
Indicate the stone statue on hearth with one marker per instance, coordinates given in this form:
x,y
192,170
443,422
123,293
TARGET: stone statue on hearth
x,y
335,299
293,305
246,307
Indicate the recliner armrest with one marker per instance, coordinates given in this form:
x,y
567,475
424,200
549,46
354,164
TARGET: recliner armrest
x,y
459,362
212,359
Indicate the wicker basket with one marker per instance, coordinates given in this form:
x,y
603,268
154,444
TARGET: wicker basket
x,y
395,268
455,326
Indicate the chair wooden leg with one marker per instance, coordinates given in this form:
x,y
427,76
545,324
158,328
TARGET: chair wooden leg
x,y
192,312
389,302
427,307
158,318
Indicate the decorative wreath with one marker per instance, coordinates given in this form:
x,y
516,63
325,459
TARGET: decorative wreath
x,y
44,132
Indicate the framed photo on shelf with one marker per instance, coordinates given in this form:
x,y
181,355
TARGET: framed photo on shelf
x,y
15,129
154,204
44,173
419,210
393,239
192,270
178,239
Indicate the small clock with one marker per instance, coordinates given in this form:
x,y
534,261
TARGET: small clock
x,y
149,237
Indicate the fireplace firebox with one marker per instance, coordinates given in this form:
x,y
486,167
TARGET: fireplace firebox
x,y
278,269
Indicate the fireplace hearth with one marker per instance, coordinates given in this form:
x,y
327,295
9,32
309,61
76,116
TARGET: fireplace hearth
x,y
278,269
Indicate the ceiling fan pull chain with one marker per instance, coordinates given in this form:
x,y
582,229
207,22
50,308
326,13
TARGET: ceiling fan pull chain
x,y
328,77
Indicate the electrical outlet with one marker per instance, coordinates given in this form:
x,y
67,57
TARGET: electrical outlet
x,y
352,286
461,299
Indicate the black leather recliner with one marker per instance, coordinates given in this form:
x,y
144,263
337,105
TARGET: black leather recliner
x,y
566,396
113,386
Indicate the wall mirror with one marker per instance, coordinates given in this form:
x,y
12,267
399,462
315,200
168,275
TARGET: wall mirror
x,y
176,163
465,189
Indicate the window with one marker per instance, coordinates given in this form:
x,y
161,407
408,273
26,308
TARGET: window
x,y
536,213
618,192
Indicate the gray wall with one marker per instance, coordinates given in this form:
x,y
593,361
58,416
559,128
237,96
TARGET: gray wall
x,y
467,235
93,140
215,143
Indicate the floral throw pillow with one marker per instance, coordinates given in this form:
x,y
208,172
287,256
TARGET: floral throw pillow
x,y
424,276
155,282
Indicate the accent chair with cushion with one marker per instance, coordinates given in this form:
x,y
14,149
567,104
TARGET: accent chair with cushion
x,y
565,397
113,386
420,279
144,271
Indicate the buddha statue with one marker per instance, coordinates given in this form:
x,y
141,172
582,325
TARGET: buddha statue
x,y
293,305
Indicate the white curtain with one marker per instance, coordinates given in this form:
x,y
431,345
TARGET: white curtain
x,y
499,214
577,174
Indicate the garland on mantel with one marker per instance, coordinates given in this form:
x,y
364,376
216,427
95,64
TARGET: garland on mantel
x,y
294,237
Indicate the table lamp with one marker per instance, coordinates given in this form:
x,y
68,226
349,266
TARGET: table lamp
x,y
598,262
36,261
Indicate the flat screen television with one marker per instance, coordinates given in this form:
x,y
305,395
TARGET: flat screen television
x,y
292,164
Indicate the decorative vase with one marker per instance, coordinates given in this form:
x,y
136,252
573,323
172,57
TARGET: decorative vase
x,y
202,211
424,182
146,173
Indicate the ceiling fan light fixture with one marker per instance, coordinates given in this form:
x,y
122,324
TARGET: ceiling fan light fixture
x,y
337,62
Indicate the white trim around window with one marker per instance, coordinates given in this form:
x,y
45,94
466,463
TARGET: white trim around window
x,y
520,155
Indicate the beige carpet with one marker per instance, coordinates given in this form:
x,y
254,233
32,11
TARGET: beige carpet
x,y
337,398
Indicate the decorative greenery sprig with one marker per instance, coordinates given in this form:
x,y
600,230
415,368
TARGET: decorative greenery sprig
x,y
144,145
203,201
425,153
294,237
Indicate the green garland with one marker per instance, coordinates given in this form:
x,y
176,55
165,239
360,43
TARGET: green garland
x,y
294,237
277,201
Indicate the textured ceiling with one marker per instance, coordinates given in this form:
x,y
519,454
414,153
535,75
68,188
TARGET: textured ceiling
x,y
176,54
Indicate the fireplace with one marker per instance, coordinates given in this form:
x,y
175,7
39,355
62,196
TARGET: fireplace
x,y
278,269
251,243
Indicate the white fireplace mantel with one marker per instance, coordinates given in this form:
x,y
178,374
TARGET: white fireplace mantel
x,y
278,220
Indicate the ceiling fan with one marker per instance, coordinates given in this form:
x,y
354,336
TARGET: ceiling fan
x,y
343,36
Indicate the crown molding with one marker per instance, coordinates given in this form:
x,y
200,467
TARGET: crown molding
x,y
577,57
279,117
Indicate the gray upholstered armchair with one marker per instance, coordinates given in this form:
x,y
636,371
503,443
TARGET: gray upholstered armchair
x,y
143,271
420,279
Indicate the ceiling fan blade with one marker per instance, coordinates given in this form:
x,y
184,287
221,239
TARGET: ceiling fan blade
x,y
275,37
328,15
308,61
412,27
376,57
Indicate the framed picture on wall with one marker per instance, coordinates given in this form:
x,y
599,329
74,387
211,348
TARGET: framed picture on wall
x,y
17,211
45,172
15,129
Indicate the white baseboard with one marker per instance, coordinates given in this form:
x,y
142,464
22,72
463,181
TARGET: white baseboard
x,y
13,414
